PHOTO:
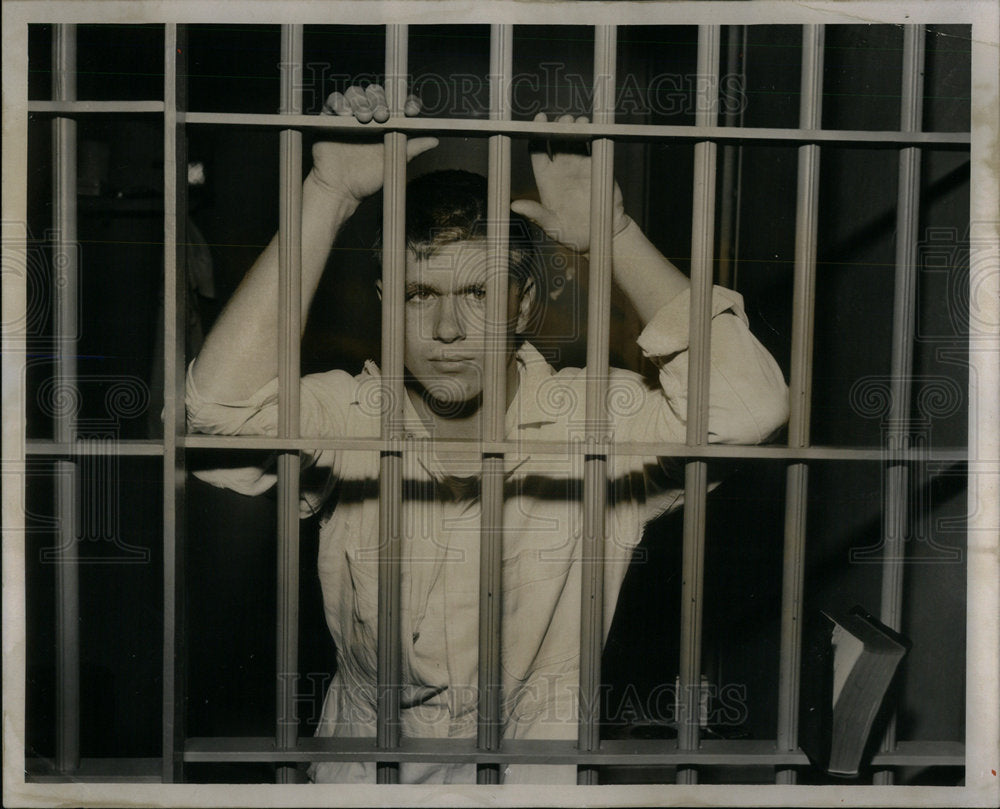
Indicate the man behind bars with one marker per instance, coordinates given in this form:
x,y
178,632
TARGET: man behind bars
x,y
232,389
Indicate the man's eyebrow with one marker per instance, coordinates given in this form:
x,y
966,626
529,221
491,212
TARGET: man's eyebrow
x,y
473,287
413,287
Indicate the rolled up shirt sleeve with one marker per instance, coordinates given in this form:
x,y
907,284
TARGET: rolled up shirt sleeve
x,y
748,397
255,415
323,413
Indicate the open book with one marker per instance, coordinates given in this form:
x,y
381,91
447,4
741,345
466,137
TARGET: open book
x,y
848,664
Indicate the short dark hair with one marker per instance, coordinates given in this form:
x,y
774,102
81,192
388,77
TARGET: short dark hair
x,y
449,206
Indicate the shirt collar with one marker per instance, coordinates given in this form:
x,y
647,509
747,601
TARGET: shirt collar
x,y
525,411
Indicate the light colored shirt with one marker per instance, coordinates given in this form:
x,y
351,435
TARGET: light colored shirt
x,y
542,528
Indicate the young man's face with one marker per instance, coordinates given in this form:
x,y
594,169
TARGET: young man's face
x,y
445,330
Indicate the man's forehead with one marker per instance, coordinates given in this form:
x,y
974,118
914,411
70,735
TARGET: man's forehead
x,y
461,260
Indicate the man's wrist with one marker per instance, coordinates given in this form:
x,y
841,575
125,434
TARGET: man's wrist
x,y
622,225
338,196
625,230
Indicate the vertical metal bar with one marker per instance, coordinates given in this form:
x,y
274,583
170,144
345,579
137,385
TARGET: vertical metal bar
x,y
65,291
807,202
494,401
734,269
16,296
729,181
595,470
391,470
800,390
289,337
174,329
696,472
895,526
702,237
904,302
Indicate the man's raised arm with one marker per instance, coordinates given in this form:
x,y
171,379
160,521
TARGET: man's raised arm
x,y
747,393
648,280
240,353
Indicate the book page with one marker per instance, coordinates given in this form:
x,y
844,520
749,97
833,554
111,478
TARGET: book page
x,y
847,649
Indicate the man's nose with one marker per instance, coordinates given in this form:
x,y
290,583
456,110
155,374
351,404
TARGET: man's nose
x,y
448,326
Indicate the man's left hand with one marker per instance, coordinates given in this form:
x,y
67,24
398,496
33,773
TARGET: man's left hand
x,y
563,182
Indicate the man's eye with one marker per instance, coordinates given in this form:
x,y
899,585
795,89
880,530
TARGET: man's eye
x,y
478,293
419,295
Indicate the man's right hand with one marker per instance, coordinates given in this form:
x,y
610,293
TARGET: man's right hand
x,y
354,170
239,355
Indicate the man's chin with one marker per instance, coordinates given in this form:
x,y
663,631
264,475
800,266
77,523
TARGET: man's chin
x,y
448,396
450,400
454,408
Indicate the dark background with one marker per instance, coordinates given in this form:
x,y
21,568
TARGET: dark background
x,y
230,539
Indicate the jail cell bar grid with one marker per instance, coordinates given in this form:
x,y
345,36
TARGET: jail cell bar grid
x,y
388,748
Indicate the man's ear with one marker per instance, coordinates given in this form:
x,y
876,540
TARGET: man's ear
x,y
378,287
526,305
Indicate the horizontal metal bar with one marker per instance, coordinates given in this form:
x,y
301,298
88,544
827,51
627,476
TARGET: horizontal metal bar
x,y
73,107
578,447
518,751
924,754
98,447
97,770
579,130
